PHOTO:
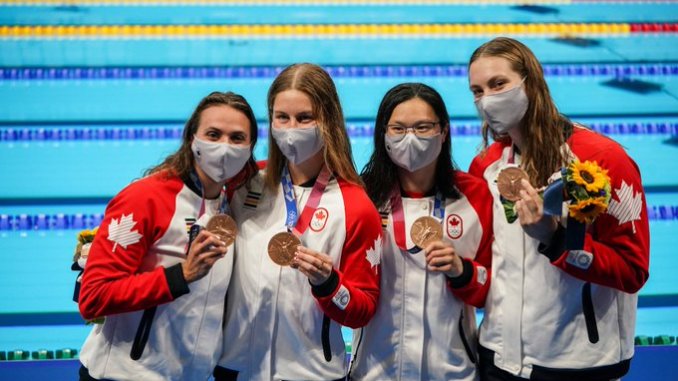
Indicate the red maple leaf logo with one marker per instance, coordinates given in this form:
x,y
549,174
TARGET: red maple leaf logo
x,y
454,222
320,215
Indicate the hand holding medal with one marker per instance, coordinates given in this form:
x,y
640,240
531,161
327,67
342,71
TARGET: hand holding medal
x,y
524,202
509,182
203,252
282,247
285,247
223,226
441,257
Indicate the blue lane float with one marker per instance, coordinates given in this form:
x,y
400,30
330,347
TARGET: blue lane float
x,y
355,129
341,71
78,221
60,221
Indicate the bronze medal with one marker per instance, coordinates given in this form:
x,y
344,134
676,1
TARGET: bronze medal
x,y
508,182
224,227
281,248
426,230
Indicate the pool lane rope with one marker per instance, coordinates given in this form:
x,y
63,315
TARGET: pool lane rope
x,y
329,31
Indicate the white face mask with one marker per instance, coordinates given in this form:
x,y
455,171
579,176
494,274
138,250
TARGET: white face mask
x,y
503,111
298,144
412,152
220,161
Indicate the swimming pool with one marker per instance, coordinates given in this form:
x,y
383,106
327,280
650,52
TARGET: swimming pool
x,y
93,95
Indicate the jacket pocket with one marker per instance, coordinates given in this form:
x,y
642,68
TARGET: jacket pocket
x,y
141,337
325,338
589,314
464,340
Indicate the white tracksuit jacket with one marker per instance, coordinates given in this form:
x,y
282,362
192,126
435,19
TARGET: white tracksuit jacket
x,y
134,264
276,323
417,331
568,315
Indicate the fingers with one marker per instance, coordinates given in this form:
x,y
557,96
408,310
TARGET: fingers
x,y
530,207
527,187
440,257
207,242
316,266
436,245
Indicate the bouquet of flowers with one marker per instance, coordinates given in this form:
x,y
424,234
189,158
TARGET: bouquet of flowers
x,y
587,186
85,239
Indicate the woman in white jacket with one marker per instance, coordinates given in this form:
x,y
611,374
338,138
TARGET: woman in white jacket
x,y
559,308
423,330
161,295
308,247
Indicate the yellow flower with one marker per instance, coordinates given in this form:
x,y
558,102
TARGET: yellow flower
x,y
87,236
589,175
586,211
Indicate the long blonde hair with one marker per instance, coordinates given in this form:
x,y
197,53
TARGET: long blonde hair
x,y
313,81
544,129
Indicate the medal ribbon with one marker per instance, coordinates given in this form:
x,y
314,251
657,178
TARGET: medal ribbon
x,y
399,219
296,224
224,207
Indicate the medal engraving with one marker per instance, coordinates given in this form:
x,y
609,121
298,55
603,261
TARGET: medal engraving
x,y
224,227
281,248
508,182
425,230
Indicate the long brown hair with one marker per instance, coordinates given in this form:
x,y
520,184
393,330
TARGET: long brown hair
x,y
313,81
543,127
181,162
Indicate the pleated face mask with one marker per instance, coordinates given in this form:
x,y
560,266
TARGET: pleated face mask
x,y
298,144
220,161
503,111
413,152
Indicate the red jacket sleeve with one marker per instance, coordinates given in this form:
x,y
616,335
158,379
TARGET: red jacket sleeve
x,y
355,285
474,282
617,244
112,282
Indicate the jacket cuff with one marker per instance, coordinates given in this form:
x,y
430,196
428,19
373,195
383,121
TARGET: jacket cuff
x,y
465,277
175,280
556,248
327,288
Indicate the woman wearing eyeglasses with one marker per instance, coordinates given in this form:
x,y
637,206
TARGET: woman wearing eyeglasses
x,y
437,246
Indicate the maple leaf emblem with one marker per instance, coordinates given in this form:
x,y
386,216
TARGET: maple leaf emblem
x,y
374,254
454,222
120,231
629,206
320,215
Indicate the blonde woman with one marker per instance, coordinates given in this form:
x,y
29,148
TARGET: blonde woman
x,y
309,243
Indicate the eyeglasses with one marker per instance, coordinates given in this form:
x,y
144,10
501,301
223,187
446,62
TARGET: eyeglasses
x,y
421,129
